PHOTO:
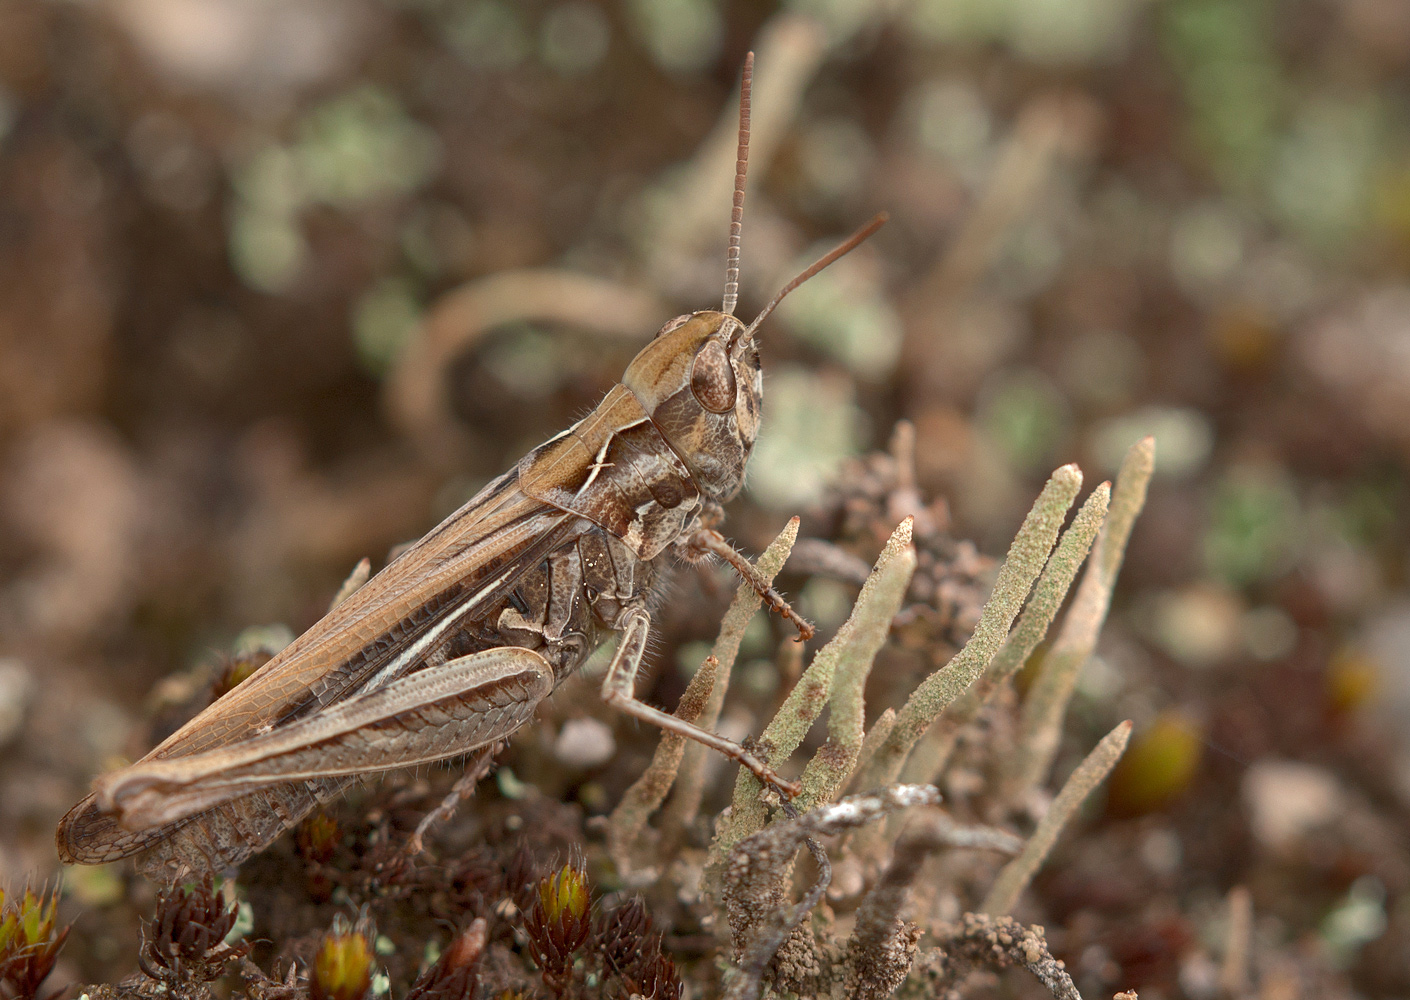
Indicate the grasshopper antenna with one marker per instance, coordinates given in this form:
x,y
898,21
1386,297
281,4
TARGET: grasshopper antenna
x,y
851,243
741,168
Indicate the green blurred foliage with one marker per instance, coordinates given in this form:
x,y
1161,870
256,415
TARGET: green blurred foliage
x,y
1026,417
1254,522
1233,83
352,149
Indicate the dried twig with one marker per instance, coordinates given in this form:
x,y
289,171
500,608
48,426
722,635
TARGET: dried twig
x,y
686,219
1024,164
755,869
770,937
985,942
1016,875
1233,973
882,946
817,557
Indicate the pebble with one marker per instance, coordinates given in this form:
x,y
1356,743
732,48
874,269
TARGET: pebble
x,y
1199,625
1286,800
16,694
584,743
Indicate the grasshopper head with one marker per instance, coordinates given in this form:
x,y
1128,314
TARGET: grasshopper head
x,y
700,381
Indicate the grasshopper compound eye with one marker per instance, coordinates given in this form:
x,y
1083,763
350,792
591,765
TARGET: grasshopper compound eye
x,y
712,378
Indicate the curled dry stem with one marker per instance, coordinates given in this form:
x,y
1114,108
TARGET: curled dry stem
x,y
415,392
818,557
980,941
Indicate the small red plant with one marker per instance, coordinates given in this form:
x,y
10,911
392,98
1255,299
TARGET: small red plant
x,y
30,942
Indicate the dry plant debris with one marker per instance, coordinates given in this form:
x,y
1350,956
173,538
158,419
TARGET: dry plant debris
x,y
216,271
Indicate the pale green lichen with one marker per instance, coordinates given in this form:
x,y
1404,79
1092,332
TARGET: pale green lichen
x,y
876,735
1026,558
867,630
1046,704
847,659
929,757
684,807
1016,875
644,797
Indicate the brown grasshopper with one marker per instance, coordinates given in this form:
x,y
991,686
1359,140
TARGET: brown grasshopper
x,y
451,647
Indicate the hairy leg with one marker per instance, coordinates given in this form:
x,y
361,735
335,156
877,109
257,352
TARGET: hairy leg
x,y
619,691
705,542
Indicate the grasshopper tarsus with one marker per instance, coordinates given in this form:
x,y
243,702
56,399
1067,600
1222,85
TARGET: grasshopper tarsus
x,y
769,778
618,690
748,759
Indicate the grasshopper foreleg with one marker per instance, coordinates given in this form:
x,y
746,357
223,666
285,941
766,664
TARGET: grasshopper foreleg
x,y
707,541
619,691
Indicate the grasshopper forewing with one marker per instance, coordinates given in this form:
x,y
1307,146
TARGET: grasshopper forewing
x,y
451,647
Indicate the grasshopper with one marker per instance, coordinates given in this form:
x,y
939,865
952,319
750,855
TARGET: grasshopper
x,y
451,647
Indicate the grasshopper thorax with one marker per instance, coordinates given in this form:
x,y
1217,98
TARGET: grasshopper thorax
x,y
699,380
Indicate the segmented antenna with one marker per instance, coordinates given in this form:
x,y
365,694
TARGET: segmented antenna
x,y
741,168
851,243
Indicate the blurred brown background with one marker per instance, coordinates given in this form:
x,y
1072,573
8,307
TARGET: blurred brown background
x,y
282,283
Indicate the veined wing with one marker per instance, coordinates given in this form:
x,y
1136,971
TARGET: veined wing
x,y
467,562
